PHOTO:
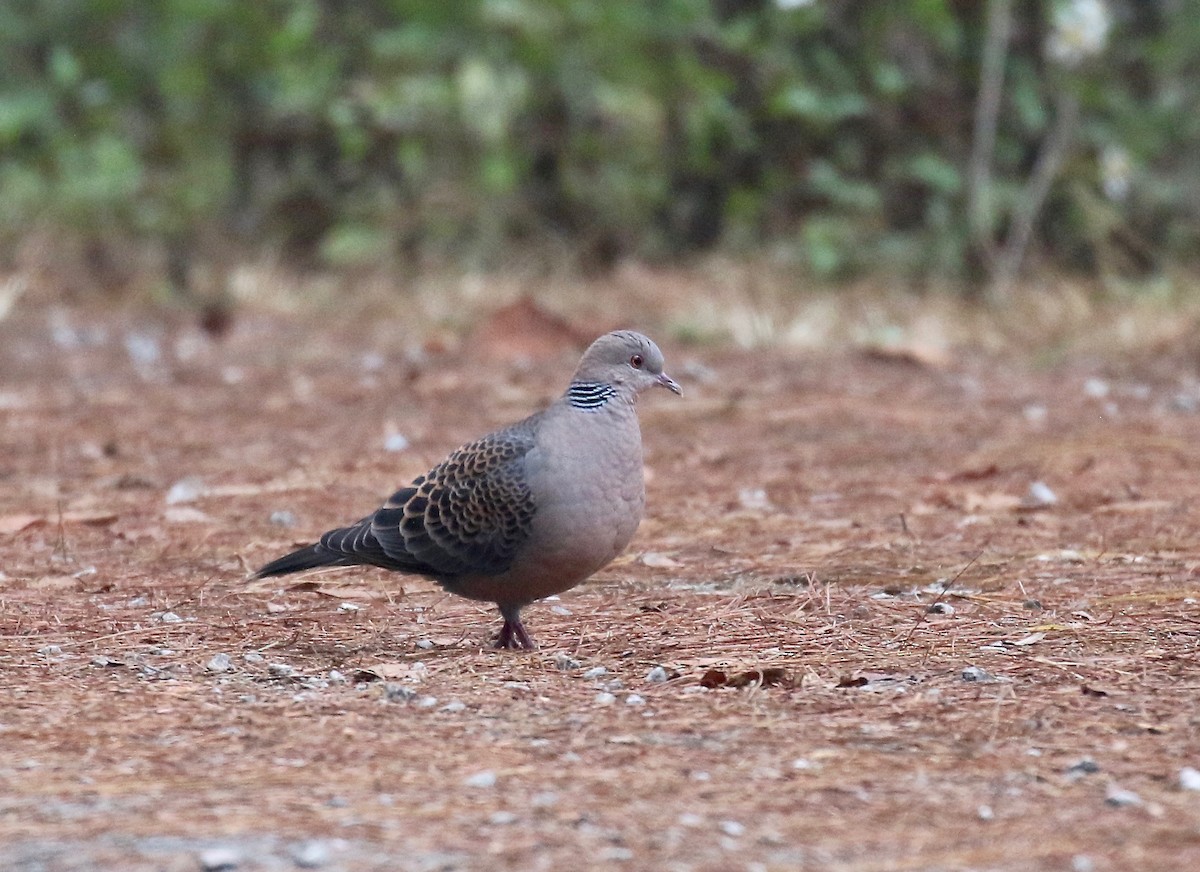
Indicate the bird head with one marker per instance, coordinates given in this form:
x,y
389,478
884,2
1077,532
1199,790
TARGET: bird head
x,y
626,360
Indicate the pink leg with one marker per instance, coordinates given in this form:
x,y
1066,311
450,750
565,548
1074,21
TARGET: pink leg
x,y
513,634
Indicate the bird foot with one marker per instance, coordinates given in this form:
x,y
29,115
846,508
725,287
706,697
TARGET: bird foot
x,y
514,637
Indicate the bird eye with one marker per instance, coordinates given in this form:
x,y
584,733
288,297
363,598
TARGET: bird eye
x,y
636,361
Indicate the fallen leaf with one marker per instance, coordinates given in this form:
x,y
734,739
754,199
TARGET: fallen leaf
x,y
17,523
713,678
1030,639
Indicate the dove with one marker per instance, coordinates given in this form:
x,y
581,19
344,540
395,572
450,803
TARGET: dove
x,y
523,513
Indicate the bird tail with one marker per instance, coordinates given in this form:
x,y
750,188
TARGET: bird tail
x,y
310,557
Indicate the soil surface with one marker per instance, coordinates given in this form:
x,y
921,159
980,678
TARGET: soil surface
x,y
885,612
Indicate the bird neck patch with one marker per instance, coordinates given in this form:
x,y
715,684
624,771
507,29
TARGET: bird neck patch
x,y
590,395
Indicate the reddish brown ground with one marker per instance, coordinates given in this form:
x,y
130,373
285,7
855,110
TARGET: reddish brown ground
x,y
865,750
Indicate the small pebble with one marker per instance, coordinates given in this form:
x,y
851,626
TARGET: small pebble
x,y
1083,766
940,609
545,799
393,692
754,498
170,618
690,820
349,607
634,699
219,859
336,677
595,672
615,684
616,853
1189,778
454,706
105,660
985,813
565,662
1096,388
425,644
1121,798
1033,605
283,519
253,657
184,491
219,663
427,702
1039,496
732,828
312,854
50,650
281,670
502,818
1082,863
395,442
484,780
974,673
657,675
605,698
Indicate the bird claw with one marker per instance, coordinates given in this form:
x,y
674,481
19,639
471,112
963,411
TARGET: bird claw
x,y
514,637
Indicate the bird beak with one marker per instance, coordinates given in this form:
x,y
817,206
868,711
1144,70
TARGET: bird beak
x,y
669,383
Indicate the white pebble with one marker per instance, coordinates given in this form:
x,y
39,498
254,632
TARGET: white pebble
x,y
219,663
605,698
336,677
634,699
1121,798
595,672
502,818
1189,778
1038,495
484,780
657,675
311,854
50,650
454,706
732,828
184,491
985,813
170,618
395,442
219,859
349,607
281,670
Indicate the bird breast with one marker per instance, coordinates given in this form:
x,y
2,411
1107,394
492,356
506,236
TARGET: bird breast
x,y
587,483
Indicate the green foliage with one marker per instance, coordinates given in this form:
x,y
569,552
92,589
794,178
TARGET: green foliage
x,y
836,131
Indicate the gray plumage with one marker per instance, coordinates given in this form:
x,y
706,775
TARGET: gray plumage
x,y
525,512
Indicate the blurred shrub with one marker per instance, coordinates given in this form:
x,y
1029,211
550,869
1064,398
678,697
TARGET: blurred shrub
x,y
834,134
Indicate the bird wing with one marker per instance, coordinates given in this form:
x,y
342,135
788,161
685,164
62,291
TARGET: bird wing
x,y
469,514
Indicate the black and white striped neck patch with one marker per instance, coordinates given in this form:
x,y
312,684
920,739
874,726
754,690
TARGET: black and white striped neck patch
x,y
590,395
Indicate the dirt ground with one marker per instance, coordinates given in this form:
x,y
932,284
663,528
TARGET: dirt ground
x,y
884,613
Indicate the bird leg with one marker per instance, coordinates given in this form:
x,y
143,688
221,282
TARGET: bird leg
x,y
513,634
